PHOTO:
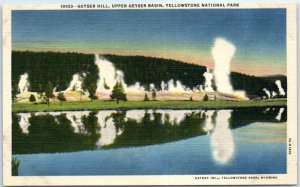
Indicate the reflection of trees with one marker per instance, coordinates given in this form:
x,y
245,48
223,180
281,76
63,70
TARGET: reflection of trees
x,y
52,134
74,131
154,130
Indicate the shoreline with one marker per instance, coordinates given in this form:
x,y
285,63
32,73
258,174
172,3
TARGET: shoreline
x,y
131,105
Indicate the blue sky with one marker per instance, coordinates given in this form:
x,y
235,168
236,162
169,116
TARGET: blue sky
x,y
258,34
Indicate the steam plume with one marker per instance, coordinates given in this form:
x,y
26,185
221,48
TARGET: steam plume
x,y
281,90
23,83
223,52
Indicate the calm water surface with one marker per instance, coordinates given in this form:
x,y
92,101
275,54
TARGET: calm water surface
x,y
151,142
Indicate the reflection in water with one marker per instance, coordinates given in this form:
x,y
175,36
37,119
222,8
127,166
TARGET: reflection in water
x,y
221,139
82,130
209,121
278,117
24,122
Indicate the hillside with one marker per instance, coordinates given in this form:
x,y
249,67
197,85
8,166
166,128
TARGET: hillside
x,y
58,68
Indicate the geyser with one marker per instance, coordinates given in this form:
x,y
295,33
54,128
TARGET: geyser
x,y
267,93
208,81
76,83
280,89
23,83
223,52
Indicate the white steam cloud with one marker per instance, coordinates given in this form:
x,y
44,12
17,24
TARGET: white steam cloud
x,y
76,83
23,83
267,93
223,52
281,90
208,81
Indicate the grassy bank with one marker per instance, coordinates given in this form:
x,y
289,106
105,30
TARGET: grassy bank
x,y
104,105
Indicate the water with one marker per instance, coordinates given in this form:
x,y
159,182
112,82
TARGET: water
x,y
151,142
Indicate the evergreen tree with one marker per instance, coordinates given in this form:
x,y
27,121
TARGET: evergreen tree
x,y
153,94
91,88
49,92
118,93
205,98
32,98
146,98
61,97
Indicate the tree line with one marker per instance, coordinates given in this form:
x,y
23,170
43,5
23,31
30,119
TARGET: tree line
x,y
58,68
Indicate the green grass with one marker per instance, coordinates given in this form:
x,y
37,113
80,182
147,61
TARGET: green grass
x,y
105,105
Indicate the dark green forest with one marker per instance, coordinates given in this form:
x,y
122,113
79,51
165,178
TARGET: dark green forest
x,y
58,68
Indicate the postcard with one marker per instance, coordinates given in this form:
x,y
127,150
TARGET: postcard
x,y
150,94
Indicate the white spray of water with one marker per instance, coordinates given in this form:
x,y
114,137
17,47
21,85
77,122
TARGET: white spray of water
x,y
221,139
175,87
267,93
274,94
279,115
23,83
280,89
223,52
208,81
76,83
109,75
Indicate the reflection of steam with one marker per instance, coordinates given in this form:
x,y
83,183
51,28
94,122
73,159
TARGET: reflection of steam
x,y
208,81
209,123
24,122
280,89
278,117
136,115
108,132
221,139
175,117
23,83
76,119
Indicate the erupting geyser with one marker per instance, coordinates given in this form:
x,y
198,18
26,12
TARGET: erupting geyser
x,y
23,83
267,93
76,83
280,89
223,52
208,81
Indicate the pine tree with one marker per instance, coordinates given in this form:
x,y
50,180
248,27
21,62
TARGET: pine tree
x,y
49,92
146,98
32,98
61,97
118,93
153,94
205,98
